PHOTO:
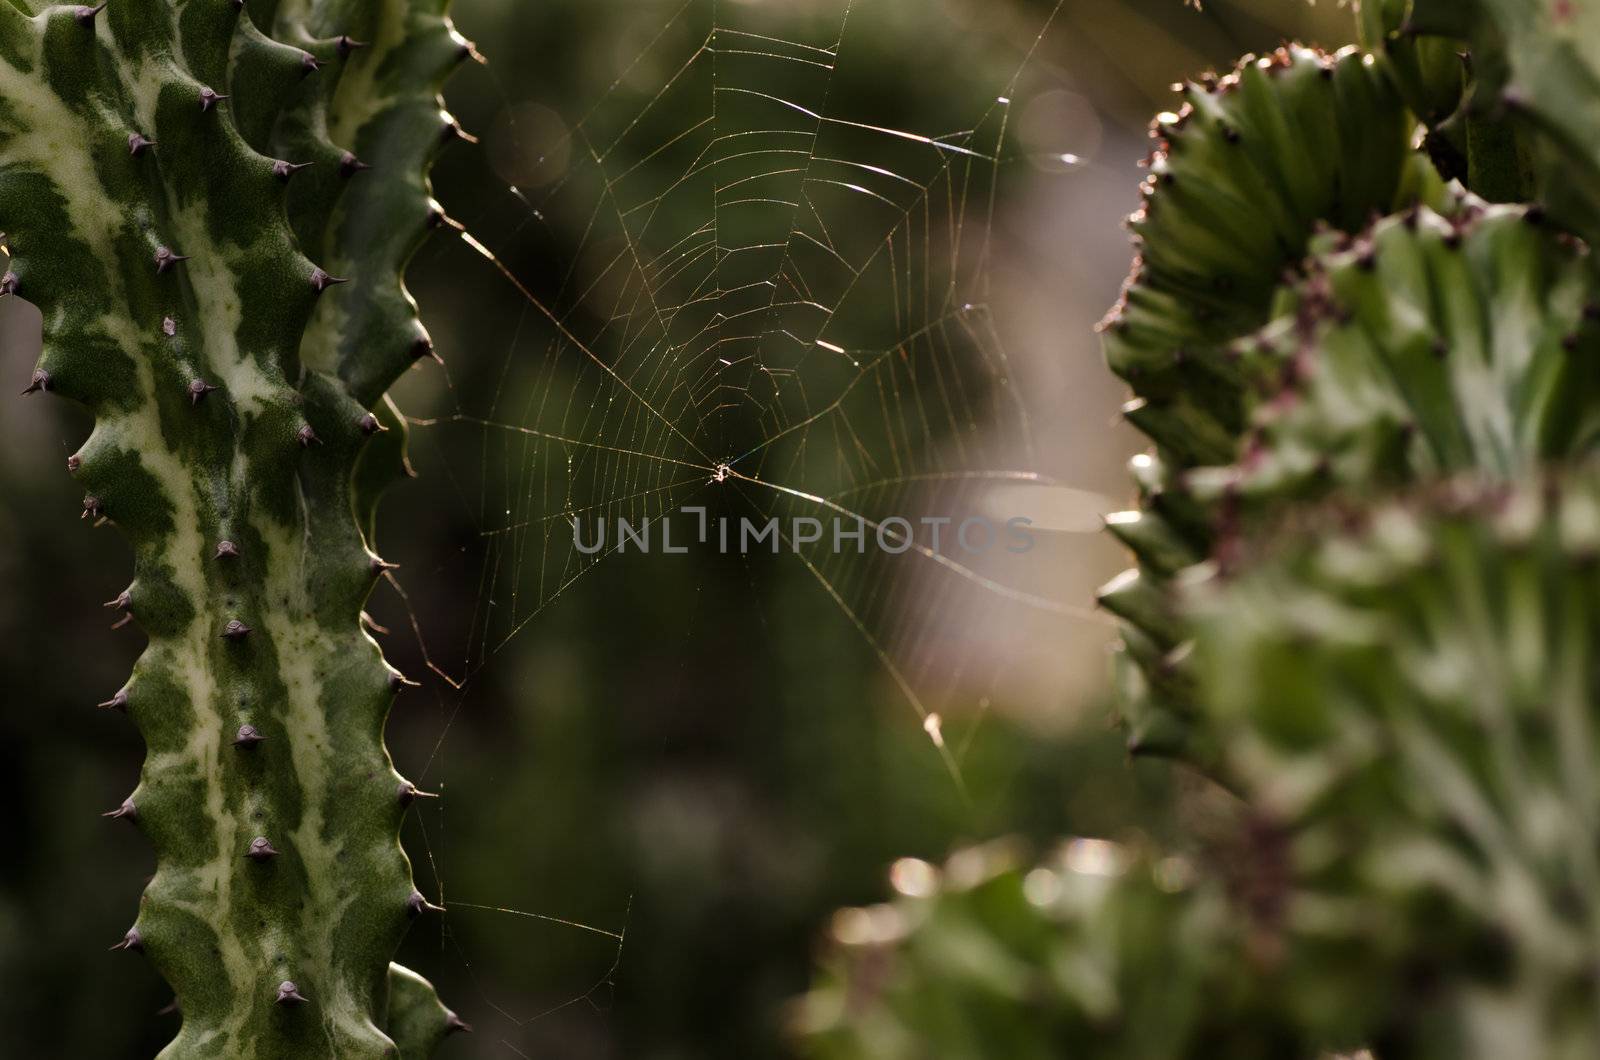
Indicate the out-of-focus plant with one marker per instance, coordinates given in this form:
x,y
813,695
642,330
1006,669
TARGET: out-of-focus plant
x,y
1364,334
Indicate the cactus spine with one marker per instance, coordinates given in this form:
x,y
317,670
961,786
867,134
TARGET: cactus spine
x,y
193,283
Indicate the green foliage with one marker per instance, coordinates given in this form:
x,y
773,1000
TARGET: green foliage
x,y
1534,70
1428,345
1413,701
1367,553
1098,951
1246,172
155,212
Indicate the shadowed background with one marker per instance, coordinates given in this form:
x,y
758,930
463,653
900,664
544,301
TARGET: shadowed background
x,y
704,756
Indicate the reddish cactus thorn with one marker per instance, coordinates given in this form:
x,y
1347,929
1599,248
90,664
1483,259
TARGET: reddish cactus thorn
x,y
118,702
345,45
198,389
74,462
407,793
235,630
170,1009
40,381
261,849
210,97
226,550
284,170
122,602
247,737
350,165
379,566
454,1024
308,64
166,259
138,144
289,994
398,682
126,810
85,14
169,327
131,941
92,508
369,425
321,281
306,436
8,283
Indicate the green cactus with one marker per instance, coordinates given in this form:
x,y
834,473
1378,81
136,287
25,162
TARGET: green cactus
x,y
192,283
1534,65
1405,705
1367,546
1413,701
1426,346
1251,167
1069,957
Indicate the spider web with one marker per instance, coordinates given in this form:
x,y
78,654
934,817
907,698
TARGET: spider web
x,y
779,308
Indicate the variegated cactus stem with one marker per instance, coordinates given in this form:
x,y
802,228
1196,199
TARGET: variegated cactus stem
x,y
193,282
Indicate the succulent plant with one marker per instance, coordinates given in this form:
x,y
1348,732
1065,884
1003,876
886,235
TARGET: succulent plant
x,y
1367,543
1533,71
1411,701
1100,950
232,320
1246,173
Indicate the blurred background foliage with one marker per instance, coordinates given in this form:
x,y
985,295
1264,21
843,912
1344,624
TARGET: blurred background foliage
x,y
702,755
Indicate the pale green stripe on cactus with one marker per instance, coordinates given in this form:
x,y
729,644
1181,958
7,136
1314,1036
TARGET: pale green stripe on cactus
x,y
148,215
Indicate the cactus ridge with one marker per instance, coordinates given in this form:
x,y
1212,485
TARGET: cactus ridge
x,y
1534,68
1247,173
1404,704
155,212
1411,700
1427,345
1365,602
